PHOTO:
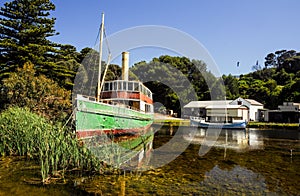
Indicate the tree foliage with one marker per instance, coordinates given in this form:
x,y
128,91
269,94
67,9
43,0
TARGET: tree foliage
x,y
276,83
39,93
175,81
287,59
232,86
25,27
48,75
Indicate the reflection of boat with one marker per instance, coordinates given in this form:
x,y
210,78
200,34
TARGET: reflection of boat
x,y
117,120
235,124
126,152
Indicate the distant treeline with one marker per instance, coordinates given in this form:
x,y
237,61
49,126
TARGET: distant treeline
x,y
39,74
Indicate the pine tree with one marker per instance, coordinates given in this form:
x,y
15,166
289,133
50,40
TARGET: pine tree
x,y
25,27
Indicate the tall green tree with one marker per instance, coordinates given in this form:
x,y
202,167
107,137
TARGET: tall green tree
x,y
25,28
232,86
66,66
284,59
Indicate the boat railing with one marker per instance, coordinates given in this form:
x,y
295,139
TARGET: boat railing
x,y
196,118
129,86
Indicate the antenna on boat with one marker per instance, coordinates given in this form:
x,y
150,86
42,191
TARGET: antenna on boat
x,y
100,58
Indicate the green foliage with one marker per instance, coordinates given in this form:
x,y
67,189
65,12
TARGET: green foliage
x,y
87,73
114,72
42,95
24,30
24,133
282,77
175,81
276,83
66,64
291,91
284,59
232,86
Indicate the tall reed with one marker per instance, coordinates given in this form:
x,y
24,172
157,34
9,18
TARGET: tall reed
x,y
24,133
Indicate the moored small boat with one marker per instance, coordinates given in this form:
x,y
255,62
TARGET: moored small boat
x,y
235,124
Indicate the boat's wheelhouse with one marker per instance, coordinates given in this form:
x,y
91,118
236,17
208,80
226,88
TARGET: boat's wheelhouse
x,y
130,93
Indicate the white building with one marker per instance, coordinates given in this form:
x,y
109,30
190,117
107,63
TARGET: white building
x,y
254,107
198,108
202,108
226,113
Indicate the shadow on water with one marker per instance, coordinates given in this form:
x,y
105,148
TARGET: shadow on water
x,y
241,162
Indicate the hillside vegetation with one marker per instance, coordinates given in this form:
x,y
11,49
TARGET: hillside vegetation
x,y
39,74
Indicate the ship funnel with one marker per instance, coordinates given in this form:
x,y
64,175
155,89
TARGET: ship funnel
x,y
125,65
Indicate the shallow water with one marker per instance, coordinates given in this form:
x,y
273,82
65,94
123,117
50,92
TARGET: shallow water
x,y
240,162
19,176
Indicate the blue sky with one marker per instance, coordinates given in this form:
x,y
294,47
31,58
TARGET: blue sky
x,y
231,30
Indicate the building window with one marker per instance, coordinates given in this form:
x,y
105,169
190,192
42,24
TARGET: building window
x,y
239,102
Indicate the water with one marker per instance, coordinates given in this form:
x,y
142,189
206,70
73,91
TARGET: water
x,y
241,162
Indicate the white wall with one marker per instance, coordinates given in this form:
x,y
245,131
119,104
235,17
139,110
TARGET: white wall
x,y
253,109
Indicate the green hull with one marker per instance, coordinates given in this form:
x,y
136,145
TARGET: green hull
x,y
95,118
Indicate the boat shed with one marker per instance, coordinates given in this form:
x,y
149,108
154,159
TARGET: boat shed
x,y
200,108
226,113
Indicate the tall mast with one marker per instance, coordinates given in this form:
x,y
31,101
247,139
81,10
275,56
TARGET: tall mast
x,y
100,57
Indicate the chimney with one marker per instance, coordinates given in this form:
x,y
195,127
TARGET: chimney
x,y
125,65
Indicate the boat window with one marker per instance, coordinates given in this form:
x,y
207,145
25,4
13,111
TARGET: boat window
x,y
141,89
120,85
136,86
147,108
110,86
130,86
115,86
124,86
106,86
148,93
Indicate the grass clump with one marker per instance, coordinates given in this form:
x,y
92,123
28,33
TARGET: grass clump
x,y
23,133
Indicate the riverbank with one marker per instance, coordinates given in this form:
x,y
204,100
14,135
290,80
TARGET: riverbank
x,y
269,125
160,119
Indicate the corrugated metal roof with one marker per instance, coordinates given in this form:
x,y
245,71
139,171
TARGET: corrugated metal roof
x,y
226,106
253,102
204,104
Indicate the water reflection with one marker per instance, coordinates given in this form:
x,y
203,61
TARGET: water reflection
x,y
126,152
239,140
257,162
